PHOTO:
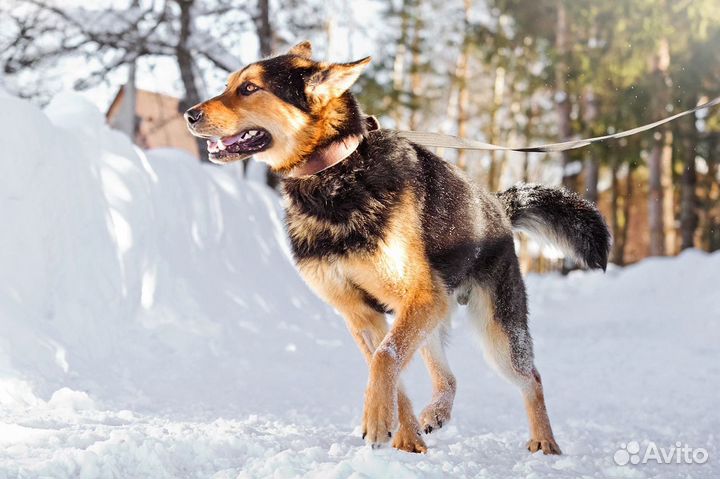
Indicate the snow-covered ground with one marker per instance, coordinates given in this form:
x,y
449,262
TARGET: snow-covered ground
x,y
152,325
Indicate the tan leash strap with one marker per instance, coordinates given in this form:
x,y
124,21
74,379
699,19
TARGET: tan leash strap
x,y
440,140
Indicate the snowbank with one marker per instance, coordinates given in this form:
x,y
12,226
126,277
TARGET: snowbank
x,y
144,281
154,326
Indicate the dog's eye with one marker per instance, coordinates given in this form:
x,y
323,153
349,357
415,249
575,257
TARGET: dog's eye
x,y
247,88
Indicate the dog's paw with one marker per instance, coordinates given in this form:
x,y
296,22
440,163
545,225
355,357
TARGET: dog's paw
x,y
408,439
380,416
547,446
435,415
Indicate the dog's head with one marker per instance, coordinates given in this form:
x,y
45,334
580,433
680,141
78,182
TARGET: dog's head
x,y
280,110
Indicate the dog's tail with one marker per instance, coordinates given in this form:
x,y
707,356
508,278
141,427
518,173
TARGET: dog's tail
x,y
562,218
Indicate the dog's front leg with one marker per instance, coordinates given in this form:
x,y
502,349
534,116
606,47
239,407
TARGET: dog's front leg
x,y
368,327
417,318
369,333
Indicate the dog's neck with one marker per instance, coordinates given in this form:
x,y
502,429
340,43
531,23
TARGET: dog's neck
x,y
327,157
332,154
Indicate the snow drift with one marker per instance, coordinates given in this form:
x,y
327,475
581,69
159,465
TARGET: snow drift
x,y
151,278
152,325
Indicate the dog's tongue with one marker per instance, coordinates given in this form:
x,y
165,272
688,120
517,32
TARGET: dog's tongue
x,y
230,140
221,143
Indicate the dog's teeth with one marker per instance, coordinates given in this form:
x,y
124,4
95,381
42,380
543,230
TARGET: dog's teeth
x,y
221,145
252,132
246,135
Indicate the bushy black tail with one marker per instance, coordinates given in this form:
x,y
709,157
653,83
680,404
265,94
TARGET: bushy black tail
x,y
562,218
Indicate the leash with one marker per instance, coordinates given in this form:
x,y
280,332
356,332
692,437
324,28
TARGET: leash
x,y
441,140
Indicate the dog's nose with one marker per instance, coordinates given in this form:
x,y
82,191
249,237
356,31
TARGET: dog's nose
x,y
193,115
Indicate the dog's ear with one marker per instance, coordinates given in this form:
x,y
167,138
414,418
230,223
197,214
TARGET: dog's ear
x,y
302,49
335,79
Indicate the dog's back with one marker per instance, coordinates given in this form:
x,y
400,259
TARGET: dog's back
x,y
465,230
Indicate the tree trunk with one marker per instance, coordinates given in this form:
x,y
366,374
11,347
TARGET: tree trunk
x,y
264,28
655,198
415,69
265,36
688,201
463,97
498,92
592,163
185,65
656,217
627,204
526,168
592,174
562,98
669,181
711,229
399,63
527,133
184,56
614,210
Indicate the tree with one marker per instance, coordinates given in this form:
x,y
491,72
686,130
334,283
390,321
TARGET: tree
x,y
45,35
510,71
117,38
596,55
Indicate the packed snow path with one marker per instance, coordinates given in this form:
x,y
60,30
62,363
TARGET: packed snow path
x,y
153,326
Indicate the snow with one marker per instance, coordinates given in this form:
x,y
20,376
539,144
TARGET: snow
x,y
153,325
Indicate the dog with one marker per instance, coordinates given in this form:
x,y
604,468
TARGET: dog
x,y
380,225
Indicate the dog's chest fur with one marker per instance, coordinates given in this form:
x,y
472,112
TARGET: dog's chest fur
x,y
386,204
344,210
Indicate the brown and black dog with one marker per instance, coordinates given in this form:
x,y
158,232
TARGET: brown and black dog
x,y
378,224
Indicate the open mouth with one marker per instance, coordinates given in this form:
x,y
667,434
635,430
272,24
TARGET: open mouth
x,y
240,146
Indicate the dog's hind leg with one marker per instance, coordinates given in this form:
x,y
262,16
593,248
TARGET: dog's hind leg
x,y
437,413
500,314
